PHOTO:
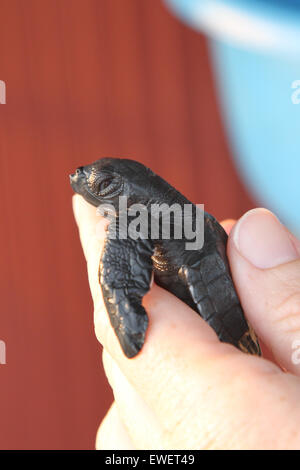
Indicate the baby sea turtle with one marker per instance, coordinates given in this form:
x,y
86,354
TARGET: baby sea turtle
x,y
200,277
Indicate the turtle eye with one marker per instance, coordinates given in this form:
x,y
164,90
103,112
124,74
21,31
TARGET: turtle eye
x,y
106,186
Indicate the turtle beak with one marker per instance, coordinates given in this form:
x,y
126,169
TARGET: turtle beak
x,y
77,178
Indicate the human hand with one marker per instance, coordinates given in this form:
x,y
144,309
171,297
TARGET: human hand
x,y
185,389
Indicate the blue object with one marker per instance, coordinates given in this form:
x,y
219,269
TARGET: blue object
x,y
255,47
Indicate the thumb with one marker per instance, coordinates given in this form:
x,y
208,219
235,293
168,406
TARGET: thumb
x,y
265,263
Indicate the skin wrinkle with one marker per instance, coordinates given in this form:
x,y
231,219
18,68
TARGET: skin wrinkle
x,y
286,275
290,304
287,319
182,424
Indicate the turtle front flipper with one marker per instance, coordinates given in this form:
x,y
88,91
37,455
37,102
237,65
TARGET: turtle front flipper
x,y
211,287
125,275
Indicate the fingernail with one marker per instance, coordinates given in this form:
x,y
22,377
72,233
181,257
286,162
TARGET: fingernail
x,y
263,240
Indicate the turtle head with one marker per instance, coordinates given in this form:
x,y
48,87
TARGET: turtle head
x,y
108,178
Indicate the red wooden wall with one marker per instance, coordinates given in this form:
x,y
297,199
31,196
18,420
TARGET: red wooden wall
x,y
86,78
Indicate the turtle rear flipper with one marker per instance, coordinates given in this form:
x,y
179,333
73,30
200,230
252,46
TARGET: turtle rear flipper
x,y
213,292
125,275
